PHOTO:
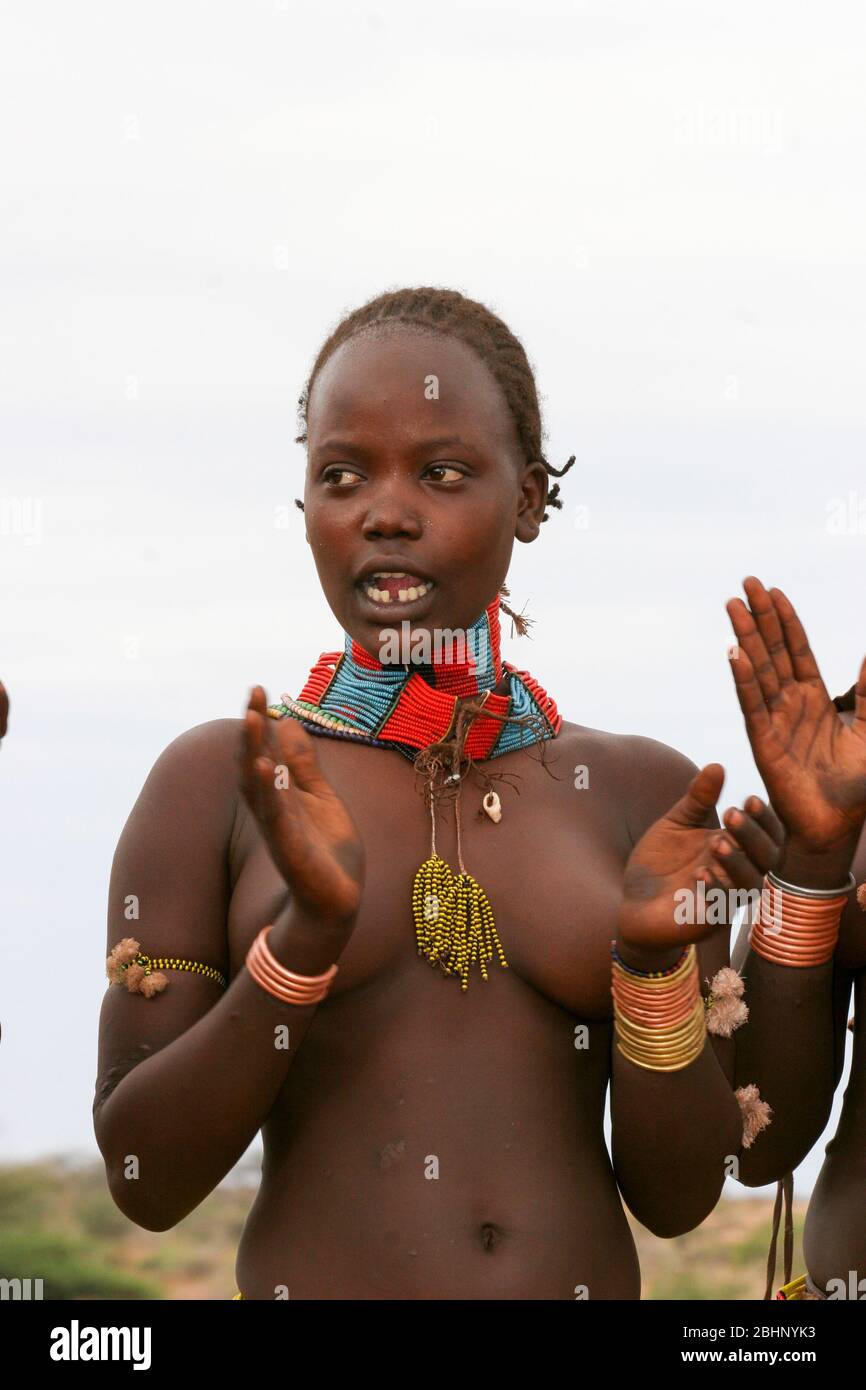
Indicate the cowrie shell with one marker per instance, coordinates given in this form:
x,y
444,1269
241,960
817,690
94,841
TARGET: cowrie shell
x,y
493,806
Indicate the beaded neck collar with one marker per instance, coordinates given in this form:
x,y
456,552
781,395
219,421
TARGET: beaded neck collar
x,y
353,695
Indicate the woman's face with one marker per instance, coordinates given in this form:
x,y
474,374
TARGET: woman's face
x,y
414,466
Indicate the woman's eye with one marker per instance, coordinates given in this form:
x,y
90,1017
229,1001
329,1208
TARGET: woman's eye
x,y
331,475
446,468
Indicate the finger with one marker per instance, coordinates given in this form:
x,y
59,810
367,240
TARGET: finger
x,y
749,694
805,665
767,618
247,776
270,804
741,871
753,840
251,737
713,875
252,744
280,819
298,750
750,639
766,818
700,797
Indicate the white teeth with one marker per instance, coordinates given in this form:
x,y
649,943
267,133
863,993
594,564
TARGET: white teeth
x,y
404,595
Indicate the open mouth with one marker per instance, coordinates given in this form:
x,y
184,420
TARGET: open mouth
x,y
395,587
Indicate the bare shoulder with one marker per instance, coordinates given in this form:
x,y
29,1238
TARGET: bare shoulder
x,y
646,776
194,779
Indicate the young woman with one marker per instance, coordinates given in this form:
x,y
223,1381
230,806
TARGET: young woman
x,y
811,753
431,1112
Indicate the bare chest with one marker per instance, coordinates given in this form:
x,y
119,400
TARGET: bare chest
x,y
551,869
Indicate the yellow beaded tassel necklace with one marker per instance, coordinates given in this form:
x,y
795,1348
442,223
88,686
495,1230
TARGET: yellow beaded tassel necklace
x,y
454,923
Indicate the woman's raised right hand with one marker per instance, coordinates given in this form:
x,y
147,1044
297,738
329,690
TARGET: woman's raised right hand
x,y
311,835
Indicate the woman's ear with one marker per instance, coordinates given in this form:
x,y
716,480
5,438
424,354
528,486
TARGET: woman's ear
x,y
533,500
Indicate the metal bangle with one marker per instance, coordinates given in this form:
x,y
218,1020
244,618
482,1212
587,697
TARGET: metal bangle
x,y
799,892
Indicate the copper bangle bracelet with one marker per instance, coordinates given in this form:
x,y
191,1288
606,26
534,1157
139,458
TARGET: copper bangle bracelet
x,y
285,984
795,928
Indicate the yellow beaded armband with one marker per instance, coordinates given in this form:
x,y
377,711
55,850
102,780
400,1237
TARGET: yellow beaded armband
x,y
128,965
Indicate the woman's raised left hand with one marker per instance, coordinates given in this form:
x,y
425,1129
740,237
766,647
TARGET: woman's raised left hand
x,y
661,908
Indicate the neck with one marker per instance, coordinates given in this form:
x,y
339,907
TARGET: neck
x,y
458,661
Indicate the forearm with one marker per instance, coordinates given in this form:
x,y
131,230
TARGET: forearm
x,y
673,1133
176,1125
787,1046
786,1050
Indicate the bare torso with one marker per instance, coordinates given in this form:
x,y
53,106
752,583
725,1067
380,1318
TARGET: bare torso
x,y
429,1143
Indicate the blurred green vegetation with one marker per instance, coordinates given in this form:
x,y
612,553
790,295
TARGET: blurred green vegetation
x,y
59,1223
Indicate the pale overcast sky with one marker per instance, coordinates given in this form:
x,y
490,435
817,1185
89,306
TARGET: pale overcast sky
x,y
665,202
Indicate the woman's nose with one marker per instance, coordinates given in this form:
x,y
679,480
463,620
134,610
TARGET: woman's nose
x,y
391,514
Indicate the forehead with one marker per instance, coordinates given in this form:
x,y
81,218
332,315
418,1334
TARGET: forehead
x,y
383,379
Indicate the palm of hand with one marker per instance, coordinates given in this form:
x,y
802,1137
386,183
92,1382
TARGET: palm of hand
x,y
326,875
667,860
309,831
813,764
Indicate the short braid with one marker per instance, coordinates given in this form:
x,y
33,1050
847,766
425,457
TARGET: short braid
x,y
449,312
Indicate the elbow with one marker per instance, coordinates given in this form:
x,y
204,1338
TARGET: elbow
x,y
136,1205
668,1223
775,1155
767,1167
678,1197
680,1209
129,1194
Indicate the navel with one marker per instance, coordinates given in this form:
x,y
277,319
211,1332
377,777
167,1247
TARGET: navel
x,y
490,1235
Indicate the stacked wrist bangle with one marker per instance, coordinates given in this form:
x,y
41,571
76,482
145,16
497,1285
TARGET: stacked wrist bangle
x,y
282,983
798,926
659,1016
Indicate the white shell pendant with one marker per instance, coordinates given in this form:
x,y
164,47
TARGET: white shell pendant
x,y
493,806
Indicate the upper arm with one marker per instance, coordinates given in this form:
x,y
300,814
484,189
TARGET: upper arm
x,y
170,891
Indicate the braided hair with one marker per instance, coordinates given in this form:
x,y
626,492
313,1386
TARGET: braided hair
x,y
451,313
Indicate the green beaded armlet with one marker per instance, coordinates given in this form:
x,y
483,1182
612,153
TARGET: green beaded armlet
x,y
128,965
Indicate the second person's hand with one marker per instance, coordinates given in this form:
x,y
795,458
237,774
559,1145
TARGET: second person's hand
x,y
812,763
